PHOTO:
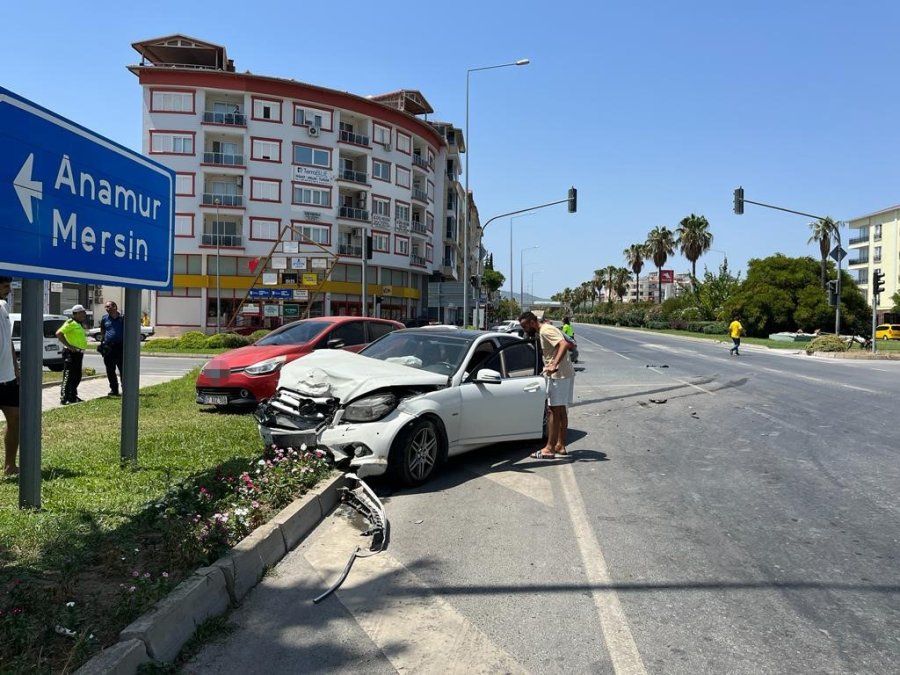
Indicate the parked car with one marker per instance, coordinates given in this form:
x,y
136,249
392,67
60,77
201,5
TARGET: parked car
x,y
53,349
507,326
887,331
244,377
146,331
409,400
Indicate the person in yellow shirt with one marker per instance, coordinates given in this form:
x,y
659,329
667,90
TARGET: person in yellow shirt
x,y
74,341
735,329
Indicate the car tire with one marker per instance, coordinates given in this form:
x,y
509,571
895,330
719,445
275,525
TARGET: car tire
x,y
415,453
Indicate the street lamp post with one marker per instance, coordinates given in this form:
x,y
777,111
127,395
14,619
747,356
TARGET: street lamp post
x,y
218,272
522,276
512,287
466,284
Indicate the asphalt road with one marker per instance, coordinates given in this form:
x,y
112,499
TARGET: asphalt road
x,y
722,515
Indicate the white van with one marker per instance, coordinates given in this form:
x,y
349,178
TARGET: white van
x,y
53,349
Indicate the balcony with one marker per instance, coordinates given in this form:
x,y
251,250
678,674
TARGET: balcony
x,y
862,259
420,195
418,227
417,260
354,176
233,240
235,119
210,198
420,162
353,214
350,249
859,240
401,224
451,175
223,159
354,138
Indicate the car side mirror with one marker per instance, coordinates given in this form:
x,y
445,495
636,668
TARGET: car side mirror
x,y
335,343
488,376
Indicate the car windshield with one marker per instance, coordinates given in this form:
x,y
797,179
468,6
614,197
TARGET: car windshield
x,y
297,333
433,351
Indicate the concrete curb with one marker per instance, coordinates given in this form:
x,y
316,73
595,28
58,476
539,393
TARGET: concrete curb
x,y
160,634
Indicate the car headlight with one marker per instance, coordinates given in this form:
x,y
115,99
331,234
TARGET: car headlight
x,y
370,408
265,367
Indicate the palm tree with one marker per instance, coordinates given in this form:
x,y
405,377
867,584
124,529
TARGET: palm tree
x,y
634,256
608,275
822,231
694,239
660,245
620,280
596,284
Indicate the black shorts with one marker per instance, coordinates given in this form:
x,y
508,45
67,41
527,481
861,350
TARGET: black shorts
x,y
9,394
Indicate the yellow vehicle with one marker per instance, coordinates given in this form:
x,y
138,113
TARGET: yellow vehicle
x,y
887,331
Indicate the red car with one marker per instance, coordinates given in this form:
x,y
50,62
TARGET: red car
x,y
244,377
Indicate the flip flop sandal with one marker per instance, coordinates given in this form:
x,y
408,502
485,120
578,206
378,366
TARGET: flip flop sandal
x,y
537,454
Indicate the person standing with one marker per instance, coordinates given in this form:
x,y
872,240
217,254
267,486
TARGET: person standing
x,y
74,341
561,382
735,329
9,384
112,332
567,328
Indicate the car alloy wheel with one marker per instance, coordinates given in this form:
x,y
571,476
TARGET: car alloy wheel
x,y
416,453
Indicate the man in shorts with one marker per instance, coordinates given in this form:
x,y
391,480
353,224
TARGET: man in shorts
x,y
561,376
9,384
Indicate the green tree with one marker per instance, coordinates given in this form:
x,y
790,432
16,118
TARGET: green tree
x,y
895,298
822,231
694,239
660,245
508,308
634,256
492,280
621,277
714,292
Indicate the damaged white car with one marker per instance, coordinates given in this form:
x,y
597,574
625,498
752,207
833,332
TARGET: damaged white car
x,y
409,400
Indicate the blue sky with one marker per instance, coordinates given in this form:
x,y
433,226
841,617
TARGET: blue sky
x,y
654,110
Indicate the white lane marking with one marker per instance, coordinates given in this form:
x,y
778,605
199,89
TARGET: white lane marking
x,y
604,349
620,644
782,423
531,485
443,640
818,380
685,382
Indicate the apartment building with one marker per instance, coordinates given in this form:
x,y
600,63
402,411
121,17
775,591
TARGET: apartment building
x,y
874,243
284,186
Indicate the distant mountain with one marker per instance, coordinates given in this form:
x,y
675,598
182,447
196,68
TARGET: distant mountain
x,y
528,298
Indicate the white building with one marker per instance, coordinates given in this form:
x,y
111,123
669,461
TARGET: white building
x,y
874,243
280,182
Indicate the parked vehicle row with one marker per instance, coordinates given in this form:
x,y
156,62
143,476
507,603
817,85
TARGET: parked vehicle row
x,y
53,349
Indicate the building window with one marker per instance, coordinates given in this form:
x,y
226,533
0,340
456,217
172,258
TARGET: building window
x,y
401,245
265,150
429,252
186,264
184,225
264,229
265,190
402,212
168,143
404,142
172,101
306,116
381,241
381,207
318,234
876,255
381,134
311,197
381,170
266,110
402,177
310,156
184,184
429,222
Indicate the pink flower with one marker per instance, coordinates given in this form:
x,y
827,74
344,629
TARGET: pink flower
x,y
135,574
165,575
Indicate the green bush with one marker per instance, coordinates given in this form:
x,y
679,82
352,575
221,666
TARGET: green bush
x,y
258,334
826,343
226,340
165,343
657,325
715,328
192,340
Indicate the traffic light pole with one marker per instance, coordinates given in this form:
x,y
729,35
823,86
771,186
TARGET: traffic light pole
x,y
837,234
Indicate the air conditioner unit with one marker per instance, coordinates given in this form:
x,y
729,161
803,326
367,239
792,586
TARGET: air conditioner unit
x,y
239,181
387,147
361,195
313,131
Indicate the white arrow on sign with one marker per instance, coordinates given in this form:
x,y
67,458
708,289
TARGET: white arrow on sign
x,y
27,188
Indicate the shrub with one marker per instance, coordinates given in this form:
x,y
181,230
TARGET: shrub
x,y
826,343
227,340
258,334
657,325
192,340
165,343
715,328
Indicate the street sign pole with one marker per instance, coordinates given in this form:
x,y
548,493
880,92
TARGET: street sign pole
x,y
838,254
31,390
131,375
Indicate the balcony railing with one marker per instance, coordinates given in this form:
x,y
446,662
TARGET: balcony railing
x,y
859,260
353,214
401,224
420,161
222,240
209,199
356,139
223,159
233,118
417,260
420,195
349,249
858,240
418,227
451,175
450,233
355,176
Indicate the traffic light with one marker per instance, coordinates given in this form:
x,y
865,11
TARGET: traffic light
x,y
368,247
473,280
877,282
739,201
573,200
832,293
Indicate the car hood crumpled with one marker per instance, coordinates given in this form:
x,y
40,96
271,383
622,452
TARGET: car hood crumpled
x,y
345,375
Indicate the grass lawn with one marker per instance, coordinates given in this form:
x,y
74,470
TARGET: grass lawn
x,y
882,346
111,539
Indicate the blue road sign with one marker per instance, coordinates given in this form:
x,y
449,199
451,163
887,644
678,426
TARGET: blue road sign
x,y
258,293
75,206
